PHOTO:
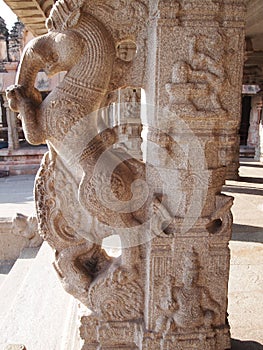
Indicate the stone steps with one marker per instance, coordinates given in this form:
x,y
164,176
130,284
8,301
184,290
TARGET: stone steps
x,y
246,152
24,161
35,309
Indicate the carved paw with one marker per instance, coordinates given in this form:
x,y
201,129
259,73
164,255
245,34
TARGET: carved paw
x,y
15,95
18,96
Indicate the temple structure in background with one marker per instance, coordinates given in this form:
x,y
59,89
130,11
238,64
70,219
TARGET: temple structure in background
x,y
250,131
11,45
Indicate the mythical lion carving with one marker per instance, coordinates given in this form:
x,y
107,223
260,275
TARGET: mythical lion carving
x,y
67,120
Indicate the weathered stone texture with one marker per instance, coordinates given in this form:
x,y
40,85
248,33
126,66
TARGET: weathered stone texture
x,y
16,234
168,290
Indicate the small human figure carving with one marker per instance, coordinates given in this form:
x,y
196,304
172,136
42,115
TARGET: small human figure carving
x,y
189,306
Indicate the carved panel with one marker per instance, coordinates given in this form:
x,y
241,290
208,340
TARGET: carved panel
x,y
110,335
201,81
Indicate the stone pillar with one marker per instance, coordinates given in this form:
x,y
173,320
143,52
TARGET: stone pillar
x,y
253,135
232,154
193,95
13,138
168,289
259,145
197,52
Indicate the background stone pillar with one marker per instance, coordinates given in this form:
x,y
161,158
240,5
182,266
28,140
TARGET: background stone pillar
x,y
259,145
13,139
252,139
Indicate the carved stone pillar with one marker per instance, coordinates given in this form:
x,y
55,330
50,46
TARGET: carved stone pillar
x,y
259,145
13,139
168,289
252,139
198,55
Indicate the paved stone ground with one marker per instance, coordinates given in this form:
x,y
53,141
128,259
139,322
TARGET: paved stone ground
x,y
246,273
16,195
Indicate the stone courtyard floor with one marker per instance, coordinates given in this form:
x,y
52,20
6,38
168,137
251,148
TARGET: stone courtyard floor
x,y
16,195
246,272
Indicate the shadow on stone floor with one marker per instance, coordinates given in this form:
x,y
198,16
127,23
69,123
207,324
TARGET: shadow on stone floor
x,y
243,190
245,345
247,233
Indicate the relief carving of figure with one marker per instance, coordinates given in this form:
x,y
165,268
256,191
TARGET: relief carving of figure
x,y
189,306
196,86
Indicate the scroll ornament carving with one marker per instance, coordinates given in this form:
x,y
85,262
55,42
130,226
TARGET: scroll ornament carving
x,y
79,262
126,303
51,215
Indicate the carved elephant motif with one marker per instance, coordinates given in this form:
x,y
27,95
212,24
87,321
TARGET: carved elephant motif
x,y
83,48
79,44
